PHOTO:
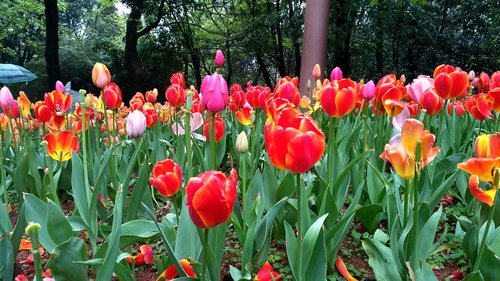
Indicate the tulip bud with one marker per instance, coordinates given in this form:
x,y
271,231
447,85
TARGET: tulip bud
x,y
60,86
402,79
214,93
242,143
6,98
472,75
219,58
136,124
100,75
316,71
369,90
336,74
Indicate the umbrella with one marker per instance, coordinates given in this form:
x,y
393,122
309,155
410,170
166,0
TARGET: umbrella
x,y
11,73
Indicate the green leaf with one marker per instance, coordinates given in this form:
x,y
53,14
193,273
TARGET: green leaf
x,y
140,188
380,260
470,243
57,224
314,251
427,234
36,211
80,192
63,260
370,216
474,276
292,245
489,264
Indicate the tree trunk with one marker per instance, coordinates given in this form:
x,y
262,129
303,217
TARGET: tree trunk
x,y
344,23
263,69
52,43
280,57
315,40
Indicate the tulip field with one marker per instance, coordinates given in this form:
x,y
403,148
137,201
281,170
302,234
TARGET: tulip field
x,y
245,182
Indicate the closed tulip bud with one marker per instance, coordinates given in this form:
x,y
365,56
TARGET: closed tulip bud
x,y
176,96
6,98
316,71
214,93
472,75
178,78
136,124
402,79
112,96
100,75
60,86
151,96
219,128
219,58
242,143
210,198
431,102
336,74
368,91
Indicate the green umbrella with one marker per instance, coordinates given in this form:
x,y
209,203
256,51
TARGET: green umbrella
x,y
11,73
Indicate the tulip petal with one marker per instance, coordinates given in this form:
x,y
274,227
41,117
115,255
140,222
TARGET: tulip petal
x,y
410,133
486,197
482,167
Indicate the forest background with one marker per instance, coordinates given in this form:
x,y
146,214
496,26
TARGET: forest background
x,y
143,42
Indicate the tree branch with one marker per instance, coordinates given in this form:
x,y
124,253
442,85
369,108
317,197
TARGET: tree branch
x,y
154,24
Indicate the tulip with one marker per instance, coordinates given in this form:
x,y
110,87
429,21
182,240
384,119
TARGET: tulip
x,y
136,124
389,93
151,96
339,263
171,272
472,75
178,78
287,88
483,82
235,88
211,197
316,71
151,117
166,177
336,101
112,96
42,111
214,93
244,115
450,82
61,144
418,87
195,122
368,91
6,98
100,75
336,74
431,102
219,58
486,157
219,128
458,106
256,96
13,110
266,273
24,104
293,140
146,256
242,143
479,106
60,86
58,102
176,96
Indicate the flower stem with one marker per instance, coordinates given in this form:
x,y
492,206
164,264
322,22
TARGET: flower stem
x,y
244,190
205,254
187,125
406,203
485,234
299,221
213,160
416,207
53,184
331,147
32,230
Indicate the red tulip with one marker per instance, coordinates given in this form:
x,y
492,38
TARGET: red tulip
x,y
336,100
178,78
266,273
450,82
146,256
211,197
151,96
166,177
58,102
61,144
287,88
112,96
176,96
486,157
431,102
339,263
389,93
171,272
479,106
219,128
235,88
293,140
256,96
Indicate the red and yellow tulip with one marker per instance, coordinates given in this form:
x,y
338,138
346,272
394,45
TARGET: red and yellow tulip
x,y
166,177
266,273
60,145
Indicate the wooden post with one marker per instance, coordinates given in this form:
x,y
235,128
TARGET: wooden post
x,y
315,40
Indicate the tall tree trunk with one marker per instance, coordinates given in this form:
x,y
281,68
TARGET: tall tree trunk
x,y
52,43
277,34
315,40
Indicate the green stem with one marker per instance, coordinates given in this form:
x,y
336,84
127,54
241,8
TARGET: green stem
x,y
108,133
213,160
244,190
32,230
415,206
2,171
485,234
331,147
299,223
205,254
187,125
53,184
406,203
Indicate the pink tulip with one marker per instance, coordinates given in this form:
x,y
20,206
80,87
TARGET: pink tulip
x,y
336,74
419,86
368,91
219,58
6,98
60,86
214,93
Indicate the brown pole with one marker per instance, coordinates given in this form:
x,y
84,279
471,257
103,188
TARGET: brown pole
x,y
315,40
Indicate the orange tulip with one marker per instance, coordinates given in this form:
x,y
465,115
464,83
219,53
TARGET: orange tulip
x,y
171,272
484,196
450,82
343,270
338,99
244,115
176,96
401,153
495,96
211,197
166,177
266,273
293,140
486,157
316,71
479,106
152,95
24,104
100,75
389,93
61,144
58,102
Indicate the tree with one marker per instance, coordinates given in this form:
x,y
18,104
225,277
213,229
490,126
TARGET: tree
x,y
52,42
